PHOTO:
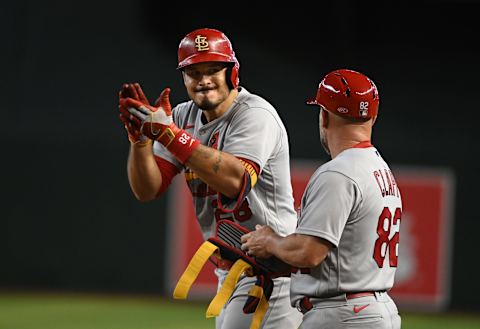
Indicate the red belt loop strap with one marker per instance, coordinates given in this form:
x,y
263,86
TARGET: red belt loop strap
x,y
353,295
306,305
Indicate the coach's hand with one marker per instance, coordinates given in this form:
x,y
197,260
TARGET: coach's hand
x,y
131,123
256,243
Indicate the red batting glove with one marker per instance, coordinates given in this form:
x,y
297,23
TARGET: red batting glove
x,y
131,123
156,123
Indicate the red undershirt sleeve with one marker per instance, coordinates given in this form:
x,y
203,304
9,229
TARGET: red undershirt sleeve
x,y
168,171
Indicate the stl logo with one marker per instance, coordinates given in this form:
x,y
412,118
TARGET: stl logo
x,y
213,142
201,43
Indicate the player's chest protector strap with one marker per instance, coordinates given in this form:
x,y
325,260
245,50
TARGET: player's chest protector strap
x,y
227,245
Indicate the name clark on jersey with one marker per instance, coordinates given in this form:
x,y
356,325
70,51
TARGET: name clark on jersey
x,y
386,182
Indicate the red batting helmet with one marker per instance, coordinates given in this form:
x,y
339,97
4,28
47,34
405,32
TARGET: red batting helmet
x,y
347,93
208,45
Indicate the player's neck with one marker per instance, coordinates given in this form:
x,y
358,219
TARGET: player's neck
x,y
344,142
222,107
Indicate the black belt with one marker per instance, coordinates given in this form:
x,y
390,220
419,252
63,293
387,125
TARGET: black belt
x,y
306,305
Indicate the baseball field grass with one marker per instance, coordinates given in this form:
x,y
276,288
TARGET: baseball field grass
x,y
77,311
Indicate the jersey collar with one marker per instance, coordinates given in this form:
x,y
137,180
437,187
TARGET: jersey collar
x,y
362,145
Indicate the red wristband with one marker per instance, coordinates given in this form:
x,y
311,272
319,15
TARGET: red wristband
x,y
180,143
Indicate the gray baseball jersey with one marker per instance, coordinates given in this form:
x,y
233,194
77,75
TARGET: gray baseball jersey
x,y
251,129
353,202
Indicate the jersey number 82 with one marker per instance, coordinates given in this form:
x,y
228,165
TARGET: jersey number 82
x,y
388,231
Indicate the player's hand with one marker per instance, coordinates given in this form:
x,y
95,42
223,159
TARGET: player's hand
x,y
256,243
157,124
152,121
132,124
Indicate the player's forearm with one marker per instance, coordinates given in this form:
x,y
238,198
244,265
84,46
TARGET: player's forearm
x,y
143,173
298,250
220,170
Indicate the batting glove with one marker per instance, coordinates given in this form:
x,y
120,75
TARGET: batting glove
x,y
131,123
157,124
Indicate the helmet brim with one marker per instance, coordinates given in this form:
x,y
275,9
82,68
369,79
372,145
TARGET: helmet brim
x,y
205,57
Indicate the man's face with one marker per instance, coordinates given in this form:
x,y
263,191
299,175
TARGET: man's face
x,y
206,84
323,135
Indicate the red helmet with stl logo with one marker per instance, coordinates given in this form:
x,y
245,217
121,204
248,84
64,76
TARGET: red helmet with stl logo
x,y
208,45
347,93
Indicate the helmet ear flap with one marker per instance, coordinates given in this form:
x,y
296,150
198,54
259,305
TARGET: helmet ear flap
x,y
232,75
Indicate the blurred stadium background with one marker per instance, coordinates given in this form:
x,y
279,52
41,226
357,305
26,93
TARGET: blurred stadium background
x,y
78,251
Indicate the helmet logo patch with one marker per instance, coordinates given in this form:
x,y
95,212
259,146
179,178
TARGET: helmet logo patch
x,y
363,109
342,110
201,43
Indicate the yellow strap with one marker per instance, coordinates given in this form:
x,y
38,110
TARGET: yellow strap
x,y
256,291
227,288
259,314
251,171
193,269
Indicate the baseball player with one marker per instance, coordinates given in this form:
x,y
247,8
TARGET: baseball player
x,y
233,149
346,243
